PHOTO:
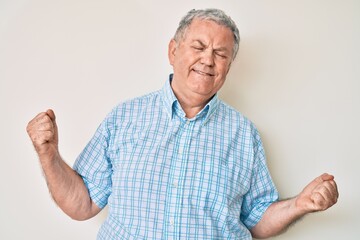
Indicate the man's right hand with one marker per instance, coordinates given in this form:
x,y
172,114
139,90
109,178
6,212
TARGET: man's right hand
x,y
66,186
43,132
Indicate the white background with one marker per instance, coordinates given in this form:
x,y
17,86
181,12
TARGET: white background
x,y
297,77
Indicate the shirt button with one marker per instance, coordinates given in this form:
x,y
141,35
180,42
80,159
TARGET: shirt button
x,y
171,222
175,184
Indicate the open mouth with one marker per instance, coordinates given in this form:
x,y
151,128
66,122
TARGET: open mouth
x,y
203,73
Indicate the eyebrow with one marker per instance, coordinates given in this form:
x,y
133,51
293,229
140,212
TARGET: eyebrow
x,y
200,42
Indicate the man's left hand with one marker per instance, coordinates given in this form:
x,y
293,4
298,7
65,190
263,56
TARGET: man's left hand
x,y
318,195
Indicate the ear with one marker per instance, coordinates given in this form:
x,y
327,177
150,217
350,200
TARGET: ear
x,y
172,51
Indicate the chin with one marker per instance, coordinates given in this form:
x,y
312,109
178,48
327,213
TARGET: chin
x,y
205,93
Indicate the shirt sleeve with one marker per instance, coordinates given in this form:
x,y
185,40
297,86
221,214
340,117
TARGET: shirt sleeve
x,y
94,166
262,192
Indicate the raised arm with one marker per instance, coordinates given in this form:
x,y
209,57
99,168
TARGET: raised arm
x,y
66,186
318,195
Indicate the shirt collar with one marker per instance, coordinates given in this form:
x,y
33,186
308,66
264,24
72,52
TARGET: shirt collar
x,y
171,102
169,97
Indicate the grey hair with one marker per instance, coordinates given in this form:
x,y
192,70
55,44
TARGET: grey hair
x,y
211,14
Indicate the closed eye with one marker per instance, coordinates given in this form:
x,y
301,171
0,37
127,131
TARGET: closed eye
x,y
221,54
199,48
198,45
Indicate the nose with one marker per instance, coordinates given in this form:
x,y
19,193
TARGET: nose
x,y
207,58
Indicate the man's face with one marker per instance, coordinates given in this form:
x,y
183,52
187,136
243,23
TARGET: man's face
x,y
201,60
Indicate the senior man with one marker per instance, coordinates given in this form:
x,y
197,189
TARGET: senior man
x,y
178,163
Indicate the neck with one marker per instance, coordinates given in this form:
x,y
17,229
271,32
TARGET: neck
x,y
191,110
191,103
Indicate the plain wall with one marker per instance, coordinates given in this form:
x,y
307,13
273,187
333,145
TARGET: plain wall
x,y
297,77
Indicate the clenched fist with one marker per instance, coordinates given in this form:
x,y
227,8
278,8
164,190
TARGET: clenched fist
x,y
44,133
319,195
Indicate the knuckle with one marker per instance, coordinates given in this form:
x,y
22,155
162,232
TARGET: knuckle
x,y
28,129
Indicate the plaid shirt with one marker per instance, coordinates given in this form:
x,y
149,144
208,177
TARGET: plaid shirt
x,y
168,177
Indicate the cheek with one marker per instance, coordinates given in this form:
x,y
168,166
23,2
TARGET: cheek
x,y
224,70
221,78
219,84
188,59
182,63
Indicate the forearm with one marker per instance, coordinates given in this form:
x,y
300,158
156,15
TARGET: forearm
x,y
318,195
277,218
65,185
67,188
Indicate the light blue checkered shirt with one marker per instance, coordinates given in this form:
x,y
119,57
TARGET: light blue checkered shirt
x,y
168,177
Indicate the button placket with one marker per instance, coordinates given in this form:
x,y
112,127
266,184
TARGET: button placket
x,y
177,179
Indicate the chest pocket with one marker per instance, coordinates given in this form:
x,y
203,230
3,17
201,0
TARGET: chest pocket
x,y
208,184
